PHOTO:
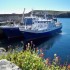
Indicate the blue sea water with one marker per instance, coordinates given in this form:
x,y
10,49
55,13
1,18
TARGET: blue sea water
x,y
59,44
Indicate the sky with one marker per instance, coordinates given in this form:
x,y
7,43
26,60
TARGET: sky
x,y
17,6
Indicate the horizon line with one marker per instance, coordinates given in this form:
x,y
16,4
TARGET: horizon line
x,y
34,10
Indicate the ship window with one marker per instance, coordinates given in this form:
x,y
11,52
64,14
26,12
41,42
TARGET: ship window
x,y
35,21
33,18
38,21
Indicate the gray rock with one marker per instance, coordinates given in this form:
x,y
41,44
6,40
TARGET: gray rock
x,y
2,51
7,65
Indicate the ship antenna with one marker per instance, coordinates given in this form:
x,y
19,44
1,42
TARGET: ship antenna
x,y
45,13
32,13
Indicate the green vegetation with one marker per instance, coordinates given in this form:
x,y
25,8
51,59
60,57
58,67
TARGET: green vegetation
x,y
59,14
33,60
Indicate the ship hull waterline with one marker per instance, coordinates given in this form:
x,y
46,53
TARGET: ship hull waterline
x,y
11,33
31,36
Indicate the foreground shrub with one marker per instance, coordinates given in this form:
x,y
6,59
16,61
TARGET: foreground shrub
x,y
30,60
26,60
33,60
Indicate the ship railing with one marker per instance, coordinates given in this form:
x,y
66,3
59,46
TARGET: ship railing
x,y
28,27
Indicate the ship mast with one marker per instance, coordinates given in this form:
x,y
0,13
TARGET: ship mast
x,y
45,15
22,21
32,13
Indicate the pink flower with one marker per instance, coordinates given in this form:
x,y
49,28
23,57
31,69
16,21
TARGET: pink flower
x,y
56,59
41,50
36,49
68,67
47,61
41,55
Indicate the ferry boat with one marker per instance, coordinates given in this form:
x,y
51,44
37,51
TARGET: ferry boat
x,y
33,28
9,30
37,27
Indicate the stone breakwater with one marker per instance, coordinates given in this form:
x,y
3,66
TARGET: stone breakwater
x,y
10,17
